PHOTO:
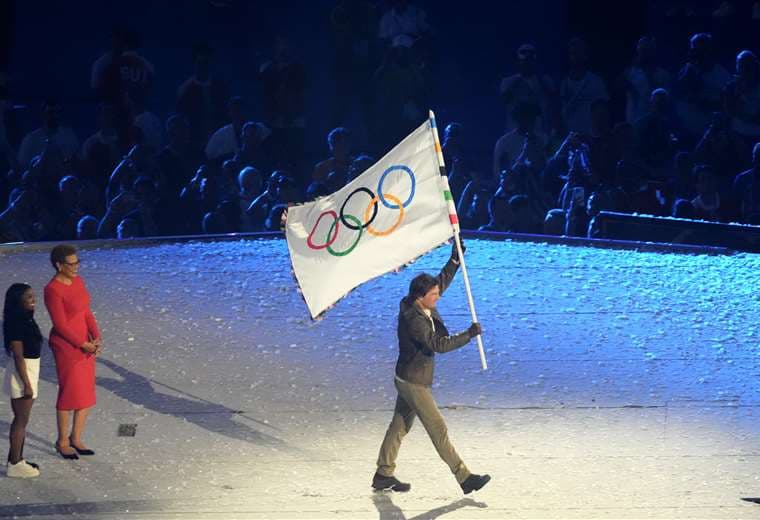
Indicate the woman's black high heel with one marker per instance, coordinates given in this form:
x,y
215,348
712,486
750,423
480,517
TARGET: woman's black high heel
x,y
81,451
69,456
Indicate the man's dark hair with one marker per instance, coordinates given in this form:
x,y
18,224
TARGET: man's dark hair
x,y
60,252
421,285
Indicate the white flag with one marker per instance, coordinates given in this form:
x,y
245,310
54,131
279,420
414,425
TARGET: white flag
x,y
383,219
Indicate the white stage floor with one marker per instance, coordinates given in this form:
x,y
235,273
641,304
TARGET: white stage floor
x,y
621,385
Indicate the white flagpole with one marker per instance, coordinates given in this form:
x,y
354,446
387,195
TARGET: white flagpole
x,y
455,224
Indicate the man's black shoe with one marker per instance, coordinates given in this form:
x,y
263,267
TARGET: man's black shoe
x,y
474,483
381,483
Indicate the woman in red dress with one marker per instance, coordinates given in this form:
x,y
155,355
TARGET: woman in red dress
x,y
75,341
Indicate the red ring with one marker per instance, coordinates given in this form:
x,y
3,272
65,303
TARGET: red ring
x,y
330,241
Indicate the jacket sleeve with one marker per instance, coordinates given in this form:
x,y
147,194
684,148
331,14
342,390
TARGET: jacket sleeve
x,y
54,304
447,275
421,332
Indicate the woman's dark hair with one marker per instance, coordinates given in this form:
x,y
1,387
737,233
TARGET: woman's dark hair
x,y
421,285
60,252
13,312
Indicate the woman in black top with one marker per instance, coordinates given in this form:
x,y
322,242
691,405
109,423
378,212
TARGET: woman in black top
x,y
22,339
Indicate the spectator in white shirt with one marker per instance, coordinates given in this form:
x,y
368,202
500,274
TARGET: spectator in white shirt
x,y
51,133
227,141
641,78
527,86
700,84
580,89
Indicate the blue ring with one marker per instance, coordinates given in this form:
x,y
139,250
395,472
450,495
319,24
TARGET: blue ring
x,y
382,179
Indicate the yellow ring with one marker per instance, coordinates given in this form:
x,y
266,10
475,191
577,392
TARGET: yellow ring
x,y
395,200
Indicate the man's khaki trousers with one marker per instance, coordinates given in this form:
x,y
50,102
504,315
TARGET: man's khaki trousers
x,y
417,401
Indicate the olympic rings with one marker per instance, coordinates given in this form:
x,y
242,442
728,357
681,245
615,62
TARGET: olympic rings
x,y
343,207
411,191
370,213
373,204
352,246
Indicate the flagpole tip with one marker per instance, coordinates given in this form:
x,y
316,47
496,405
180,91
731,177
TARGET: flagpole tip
x,y
431,114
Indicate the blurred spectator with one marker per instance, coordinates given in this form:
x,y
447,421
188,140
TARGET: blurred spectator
x,y
50,135
657,131
359,165
118,208
251,184
122,71
202,98
7,154
681,182
528,87
635,194
699,85
707,204
572,151
579,89
316,190
453,144
399,94
403,19
743,96
230,210
747,190
149,124
228,180
722,149
255,150
641,78
274,218
683,208
473,204
522,215
259,209
24,220
523,137
127,228
104,149
554,223
499,214
149,214
192,205
67,207
459,176
339,143
178,160
603,149
288,190
284,84
573,199
140,161
352,27
228,140
87,228
214,223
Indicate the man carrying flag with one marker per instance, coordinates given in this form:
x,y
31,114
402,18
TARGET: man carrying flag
x,y
421,333
397,210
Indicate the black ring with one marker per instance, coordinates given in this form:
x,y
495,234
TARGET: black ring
x,y
374,209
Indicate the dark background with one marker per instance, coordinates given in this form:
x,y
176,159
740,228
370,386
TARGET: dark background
x,y
48,49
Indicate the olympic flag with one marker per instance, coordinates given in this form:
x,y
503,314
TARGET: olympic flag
x,y
394,212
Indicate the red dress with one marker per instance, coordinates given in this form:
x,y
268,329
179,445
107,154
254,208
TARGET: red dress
x,y
73,325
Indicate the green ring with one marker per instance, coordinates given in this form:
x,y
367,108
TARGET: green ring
x,y
358,223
